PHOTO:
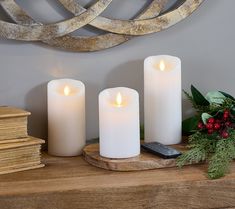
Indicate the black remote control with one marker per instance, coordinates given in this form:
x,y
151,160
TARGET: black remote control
x,y
161,150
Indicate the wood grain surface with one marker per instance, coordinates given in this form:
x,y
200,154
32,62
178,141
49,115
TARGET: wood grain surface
x,y
145,161
71,183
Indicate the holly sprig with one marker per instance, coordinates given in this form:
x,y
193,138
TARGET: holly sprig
x,y
211,132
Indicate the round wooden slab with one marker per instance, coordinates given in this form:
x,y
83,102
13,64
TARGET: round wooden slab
x,y
145,161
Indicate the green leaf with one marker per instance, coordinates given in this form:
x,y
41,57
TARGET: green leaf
x,y
205,117
198,97
227,95
189,125
215,97
233,110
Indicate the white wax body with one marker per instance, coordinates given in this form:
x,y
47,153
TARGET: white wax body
x,y
66,118
119,126
162,100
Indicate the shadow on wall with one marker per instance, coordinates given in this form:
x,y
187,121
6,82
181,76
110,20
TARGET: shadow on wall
x,y
131,75
187,108
92,110
36,103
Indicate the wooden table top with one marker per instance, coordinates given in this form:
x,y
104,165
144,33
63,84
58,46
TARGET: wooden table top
x,y
72,183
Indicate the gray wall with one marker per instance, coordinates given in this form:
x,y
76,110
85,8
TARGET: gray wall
x,y
204,42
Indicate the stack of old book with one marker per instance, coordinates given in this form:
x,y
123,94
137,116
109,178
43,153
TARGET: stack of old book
x,y
18,151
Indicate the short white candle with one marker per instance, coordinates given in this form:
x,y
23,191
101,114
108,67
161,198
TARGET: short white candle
x,y
162,99
119,123
66,117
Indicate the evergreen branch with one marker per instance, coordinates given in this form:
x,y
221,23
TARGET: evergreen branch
x,y
195,155
220,161
200,147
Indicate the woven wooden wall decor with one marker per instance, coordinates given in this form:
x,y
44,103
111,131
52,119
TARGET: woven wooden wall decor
x,y
153,19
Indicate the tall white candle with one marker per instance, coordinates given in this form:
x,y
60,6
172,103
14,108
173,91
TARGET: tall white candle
x,y
66,117
162,99
119,123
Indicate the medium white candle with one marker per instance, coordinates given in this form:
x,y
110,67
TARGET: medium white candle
x,y
119,123
66,117
162,99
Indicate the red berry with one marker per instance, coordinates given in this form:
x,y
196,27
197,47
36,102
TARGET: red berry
x,y
209,126
225,134
216,126
226,112
211,120
200,125
225,117
210,131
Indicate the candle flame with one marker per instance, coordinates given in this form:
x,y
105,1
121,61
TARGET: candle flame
x,y
119,99
162,65
67,91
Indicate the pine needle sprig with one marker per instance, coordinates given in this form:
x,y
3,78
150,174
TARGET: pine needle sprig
x,y
219,152
199,151
227,104
195,155
219,163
